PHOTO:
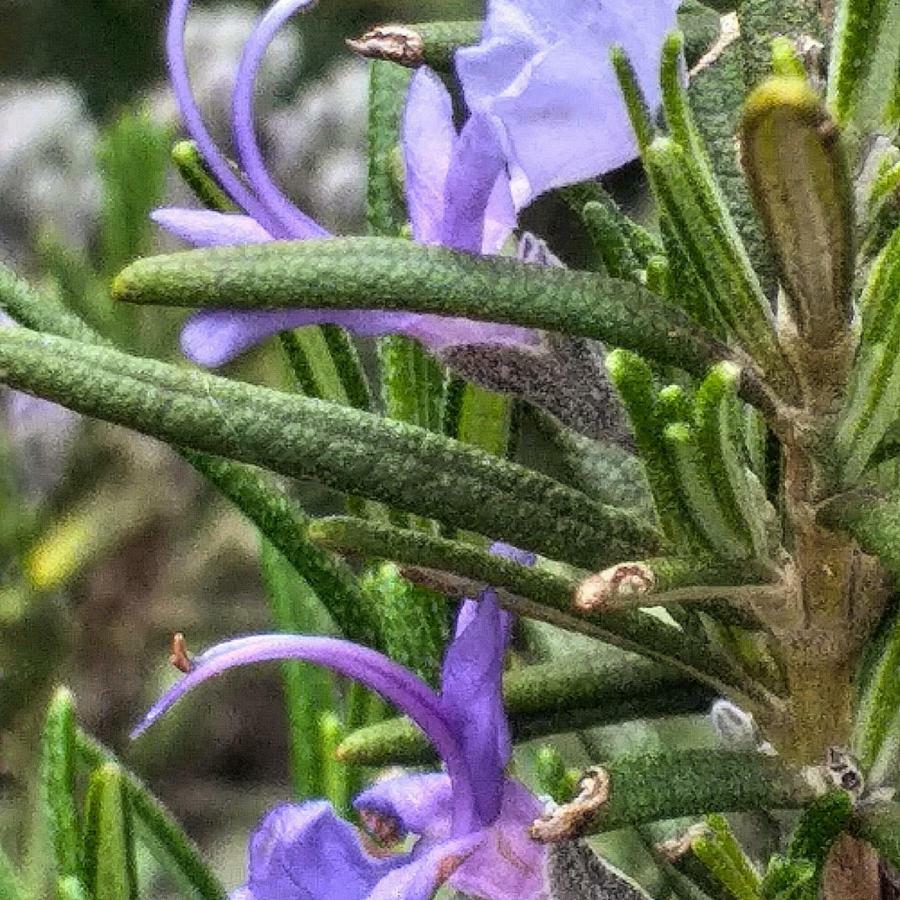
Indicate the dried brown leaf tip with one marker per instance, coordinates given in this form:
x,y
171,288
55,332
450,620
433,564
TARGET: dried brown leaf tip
x,y
179,656
394,43
570,820
678,847
607,589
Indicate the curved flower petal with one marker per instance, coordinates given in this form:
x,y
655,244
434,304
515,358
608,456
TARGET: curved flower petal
x,y
293,222
507,551
193,120
215,337
471,691
302,851
397,685
204,228
428,137
507,864
418,804
427,871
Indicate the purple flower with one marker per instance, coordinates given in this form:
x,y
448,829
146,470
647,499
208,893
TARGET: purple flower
x,y
458,196
542,77
470,821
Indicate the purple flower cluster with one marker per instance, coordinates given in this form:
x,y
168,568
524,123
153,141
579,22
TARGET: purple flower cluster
x,y
470,821
544,110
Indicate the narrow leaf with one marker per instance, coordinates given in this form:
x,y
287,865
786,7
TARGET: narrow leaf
x,y
794,160
672,784
865,55
722,855
630,630
401,465
70,888
170,846
10,885
308,690
109,845
699,493
873,520
58,783
880,701
349,273
880,826
284,524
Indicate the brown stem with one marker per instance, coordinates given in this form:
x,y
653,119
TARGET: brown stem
x,y
851,872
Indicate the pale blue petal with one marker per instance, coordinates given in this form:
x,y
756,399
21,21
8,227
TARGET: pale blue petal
x,y
205,228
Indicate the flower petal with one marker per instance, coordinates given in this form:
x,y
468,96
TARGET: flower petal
x,y
214,337
293,222
193,120
471,691
443,332
475,166
303,851
507,864
427,871
204,228
428,137
543,77
418,804
397,685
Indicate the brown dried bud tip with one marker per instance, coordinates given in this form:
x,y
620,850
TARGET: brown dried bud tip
x,y
678,847
179,656
600,591
570,820
393,43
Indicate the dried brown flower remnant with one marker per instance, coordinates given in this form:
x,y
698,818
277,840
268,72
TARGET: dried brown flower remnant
x,y
179,656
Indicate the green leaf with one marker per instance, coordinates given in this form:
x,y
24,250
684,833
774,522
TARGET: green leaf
x,y
10,885
672,784
385,215
871,407
579,690
794,160
700,26
192,168
58,783
873,520
552,775
716,96
821,824
880,826
710,246
70,888
633,380
484,419
348,273
415,621
699,493
284,524
335,782
630,630
347,449
719,423
789,879
865,55
763,20
170,846
308,690
108,838
880,701
720,852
